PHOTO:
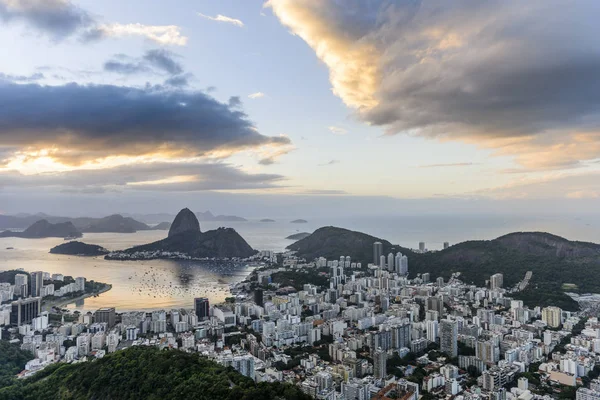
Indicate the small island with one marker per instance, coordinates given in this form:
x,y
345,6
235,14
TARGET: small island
x,y
267,220
299,221
76,248
298,236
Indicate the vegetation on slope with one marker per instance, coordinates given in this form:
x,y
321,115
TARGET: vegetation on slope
x,y
554,261
9,276
79,249
221,243
146,373
331,242
12,361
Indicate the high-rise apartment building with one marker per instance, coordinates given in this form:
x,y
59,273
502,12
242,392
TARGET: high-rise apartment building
x,y
258,297
449,337
552,316
496,281
202,308
435,303
105,314
377,252
487,351
21,285
23,311
379,364
80,284
390,262
37,283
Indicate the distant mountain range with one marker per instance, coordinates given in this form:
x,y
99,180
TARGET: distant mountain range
x,y
205,216
113,223
44,229
208,216
557,264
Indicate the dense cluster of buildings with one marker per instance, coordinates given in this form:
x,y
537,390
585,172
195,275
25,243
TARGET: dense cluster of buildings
x,y
22,301
371,333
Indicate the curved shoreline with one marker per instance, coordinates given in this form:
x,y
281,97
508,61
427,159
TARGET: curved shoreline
x,y
63,302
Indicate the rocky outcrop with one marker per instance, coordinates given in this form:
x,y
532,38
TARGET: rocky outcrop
x,y
186,240
44,229
185,221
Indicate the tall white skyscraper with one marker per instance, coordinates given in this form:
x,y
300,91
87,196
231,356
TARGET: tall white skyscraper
x,y
382,261
390,262
432,330
421,246
398,262
404,268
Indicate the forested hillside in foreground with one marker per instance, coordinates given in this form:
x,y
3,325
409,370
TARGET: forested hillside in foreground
x,y
146,373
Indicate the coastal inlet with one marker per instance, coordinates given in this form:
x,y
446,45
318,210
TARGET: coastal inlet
x,y
136,285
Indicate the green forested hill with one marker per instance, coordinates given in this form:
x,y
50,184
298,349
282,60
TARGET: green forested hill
x,y
146,373
554,261
12,361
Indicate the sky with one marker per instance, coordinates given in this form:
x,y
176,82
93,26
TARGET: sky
x,y
299,106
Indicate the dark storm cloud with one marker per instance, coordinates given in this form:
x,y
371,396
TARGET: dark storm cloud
x,y
234,101
104,120
155,61
519,77
177,81
201,176
57,18
125,68
163,60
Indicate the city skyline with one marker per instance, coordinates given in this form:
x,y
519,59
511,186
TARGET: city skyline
x,y
394,103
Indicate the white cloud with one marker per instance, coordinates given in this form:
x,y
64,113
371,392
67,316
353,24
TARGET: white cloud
x,y
223,18
256,95
165,34
337,130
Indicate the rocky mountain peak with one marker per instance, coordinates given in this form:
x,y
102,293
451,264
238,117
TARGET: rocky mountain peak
x,y
183,222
